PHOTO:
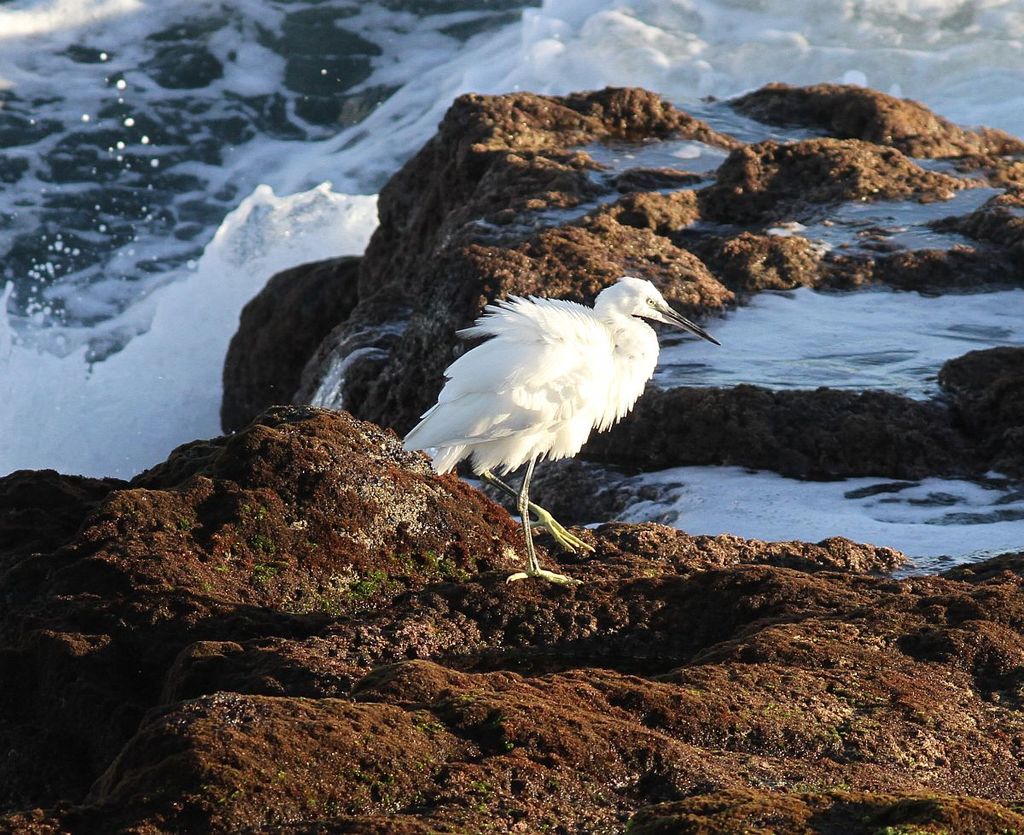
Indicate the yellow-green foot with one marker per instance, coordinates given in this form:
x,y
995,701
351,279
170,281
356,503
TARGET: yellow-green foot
x,y
565,538
542,574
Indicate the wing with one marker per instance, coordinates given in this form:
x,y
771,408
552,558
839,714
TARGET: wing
x,y
547,361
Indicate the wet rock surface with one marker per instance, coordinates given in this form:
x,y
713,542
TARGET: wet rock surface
x,y
300,628
833,811
776,181
988,388
278,331
819,434
476,216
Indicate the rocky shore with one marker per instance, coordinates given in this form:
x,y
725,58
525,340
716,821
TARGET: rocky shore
x,y
299,627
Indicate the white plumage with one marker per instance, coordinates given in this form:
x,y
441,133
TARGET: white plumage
x,y
550,373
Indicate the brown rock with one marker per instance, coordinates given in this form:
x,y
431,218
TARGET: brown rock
x,y
574,262
506,200
279,330
582,706
41,509
652,179
577,492
988,392
851,112
788,181
1000,225
662,214
751,262
809,813
208,694
477,155
299,518
827,433
932,270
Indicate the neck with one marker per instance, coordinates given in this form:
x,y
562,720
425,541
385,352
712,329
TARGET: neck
x,y
606,307
619,321
633,336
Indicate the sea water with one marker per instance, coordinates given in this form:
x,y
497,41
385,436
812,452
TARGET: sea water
x,y
158,161
865,339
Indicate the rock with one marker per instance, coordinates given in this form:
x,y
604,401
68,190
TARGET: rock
x,y
999,224
570,262
299,628
637,549
578,492
748,262
773,180
933,270
492,153
301,517
826,433
278,331
988,393
806,813
662,214
1001,566
677,688
43,509
652,179
851,112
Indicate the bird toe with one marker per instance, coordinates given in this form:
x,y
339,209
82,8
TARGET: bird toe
x,y
543,574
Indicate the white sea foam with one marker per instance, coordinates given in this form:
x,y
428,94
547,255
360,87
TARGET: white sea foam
x,y
20,20
126,413
925,520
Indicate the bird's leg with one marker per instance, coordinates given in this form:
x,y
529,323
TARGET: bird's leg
x,y
533,568
568,540
524,514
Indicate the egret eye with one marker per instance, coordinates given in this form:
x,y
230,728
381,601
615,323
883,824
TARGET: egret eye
x,y
651,302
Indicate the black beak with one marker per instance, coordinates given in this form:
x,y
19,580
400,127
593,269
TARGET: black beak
x,y
684,323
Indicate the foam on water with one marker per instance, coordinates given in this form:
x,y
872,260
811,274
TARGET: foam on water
x,y
126,413
943,52
929,520
21,20
868,339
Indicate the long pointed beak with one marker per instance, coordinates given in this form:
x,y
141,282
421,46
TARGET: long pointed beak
x,y
679,321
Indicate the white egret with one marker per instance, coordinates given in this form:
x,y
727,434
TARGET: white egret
x,y
551,372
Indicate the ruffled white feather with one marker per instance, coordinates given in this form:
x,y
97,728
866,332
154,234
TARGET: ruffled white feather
x,y
549,373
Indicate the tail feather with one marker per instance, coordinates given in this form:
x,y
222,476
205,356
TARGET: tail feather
x,y
413,438
445,458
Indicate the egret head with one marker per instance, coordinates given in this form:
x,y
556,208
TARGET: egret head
x,y
638,297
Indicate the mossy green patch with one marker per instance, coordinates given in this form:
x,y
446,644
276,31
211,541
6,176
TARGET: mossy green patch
x,y
263,573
